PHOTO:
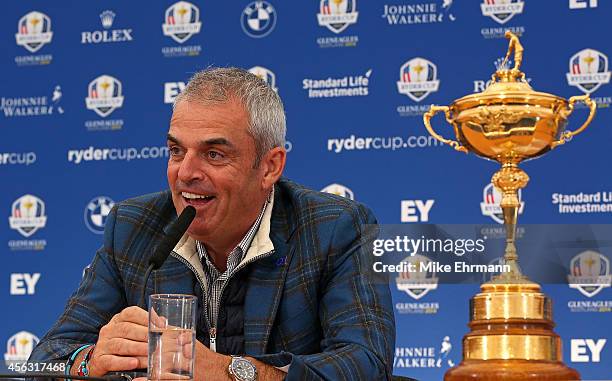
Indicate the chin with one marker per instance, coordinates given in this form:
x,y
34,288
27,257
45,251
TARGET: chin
x,y
198,232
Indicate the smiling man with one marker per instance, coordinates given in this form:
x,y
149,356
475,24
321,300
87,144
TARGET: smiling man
x,y
282,273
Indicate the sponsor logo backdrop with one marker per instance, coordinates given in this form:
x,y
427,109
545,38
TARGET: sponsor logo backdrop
x,y
85,101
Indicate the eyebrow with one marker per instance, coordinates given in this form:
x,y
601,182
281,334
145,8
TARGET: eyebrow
x,y
207,142
217,142
172,139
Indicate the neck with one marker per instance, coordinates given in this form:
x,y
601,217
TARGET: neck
x,y
220,248
219,254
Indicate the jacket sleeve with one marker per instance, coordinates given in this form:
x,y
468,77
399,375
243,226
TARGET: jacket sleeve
x,y
355,311
99,296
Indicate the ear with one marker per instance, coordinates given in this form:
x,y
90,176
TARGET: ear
x,y
272,165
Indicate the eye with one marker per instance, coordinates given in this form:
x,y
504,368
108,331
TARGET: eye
x,y
214,155
174,150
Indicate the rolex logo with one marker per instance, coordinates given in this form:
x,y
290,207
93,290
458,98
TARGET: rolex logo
x,y
501,64
107,18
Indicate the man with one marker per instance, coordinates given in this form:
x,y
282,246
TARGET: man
x,y
282,273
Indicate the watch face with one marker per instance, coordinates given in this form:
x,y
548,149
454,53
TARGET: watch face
x,y
243,370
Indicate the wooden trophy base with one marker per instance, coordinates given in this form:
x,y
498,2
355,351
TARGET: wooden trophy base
x,y
511,337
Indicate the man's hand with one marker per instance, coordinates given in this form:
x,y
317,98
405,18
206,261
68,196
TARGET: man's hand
x,y
122,343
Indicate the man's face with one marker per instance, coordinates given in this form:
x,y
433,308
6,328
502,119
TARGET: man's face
x,y
211,168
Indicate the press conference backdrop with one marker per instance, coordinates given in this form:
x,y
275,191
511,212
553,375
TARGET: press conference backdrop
x,y
86,91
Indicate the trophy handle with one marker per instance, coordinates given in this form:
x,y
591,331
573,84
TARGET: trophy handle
x,y
426,119
568,135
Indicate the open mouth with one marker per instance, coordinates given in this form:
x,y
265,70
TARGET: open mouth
x,y
196,199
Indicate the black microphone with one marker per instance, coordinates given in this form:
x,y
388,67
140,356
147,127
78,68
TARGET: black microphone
x,y
117,377
173,234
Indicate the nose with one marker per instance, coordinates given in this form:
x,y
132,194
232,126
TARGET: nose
x,y
191,168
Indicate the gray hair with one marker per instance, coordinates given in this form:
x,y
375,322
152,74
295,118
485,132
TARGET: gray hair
x,y
264,107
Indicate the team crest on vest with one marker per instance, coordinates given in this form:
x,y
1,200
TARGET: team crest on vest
x,y
588,69
417,283
337,15
182,20
490,205
104,95
501,10
265,74
589,273
28,215
258,19
34,31
418,78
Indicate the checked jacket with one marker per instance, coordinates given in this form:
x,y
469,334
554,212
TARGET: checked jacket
x,y
313,302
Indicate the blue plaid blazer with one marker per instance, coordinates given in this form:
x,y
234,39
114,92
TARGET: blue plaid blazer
x,y
315,303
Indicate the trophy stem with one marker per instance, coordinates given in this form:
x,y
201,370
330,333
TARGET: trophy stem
x,y
510,179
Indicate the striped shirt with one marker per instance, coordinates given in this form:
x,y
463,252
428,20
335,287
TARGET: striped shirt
x,y
215,280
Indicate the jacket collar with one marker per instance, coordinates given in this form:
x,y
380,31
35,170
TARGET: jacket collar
x,y
261,244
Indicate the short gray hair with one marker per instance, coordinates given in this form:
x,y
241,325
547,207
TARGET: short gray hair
x,y
264,107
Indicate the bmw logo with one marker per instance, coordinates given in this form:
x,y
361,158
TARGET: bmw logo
x,y
258,19
96,212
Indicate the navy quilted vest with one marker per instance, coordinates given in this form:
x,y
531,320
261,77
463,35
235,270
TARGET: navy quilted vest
x,y
230,323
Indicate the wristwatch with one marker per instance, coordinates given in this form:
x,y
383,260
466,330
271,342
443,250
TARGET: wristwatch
x,y
242,369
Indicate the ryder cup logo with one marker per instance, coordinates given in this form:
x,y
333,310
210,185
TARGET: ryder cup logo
x,y
34,31
501,10
182,21
96,212
337,15
589,273
266,75
339,190
419,282
588,69
28,215
258,19
418,78
490,205
104,95
20,346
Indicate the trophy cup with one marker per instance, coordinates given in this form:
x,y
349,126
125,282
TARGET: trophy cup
x,y
511,324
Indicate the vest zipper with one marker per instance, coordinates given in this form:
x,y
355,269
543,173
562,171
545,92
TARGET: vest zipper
x,y
212,331
240,267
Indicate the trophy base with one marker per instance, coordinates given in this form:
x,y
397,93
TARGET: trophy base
x,y
511,336
511,370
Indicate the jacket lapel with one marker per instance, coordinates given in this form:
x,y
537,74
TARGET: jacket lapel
x,y
267,281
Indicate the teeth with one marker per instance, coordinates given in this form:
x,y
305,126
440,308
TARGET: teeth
x,y
193,195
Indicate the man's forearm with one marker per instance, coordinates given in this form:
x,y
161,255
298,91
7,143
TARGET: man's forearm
x,y
214,366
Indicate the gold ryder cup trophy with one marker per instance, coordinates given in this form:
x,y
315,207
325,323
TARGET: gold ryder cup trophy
x,y
511,334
